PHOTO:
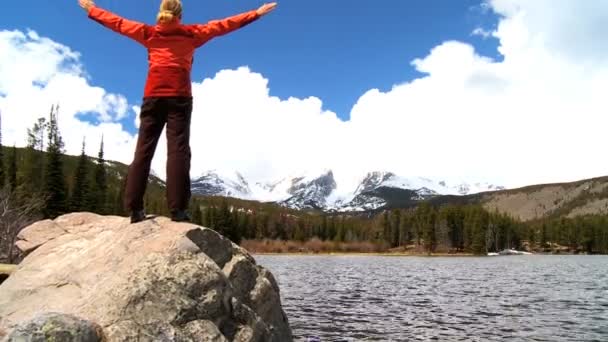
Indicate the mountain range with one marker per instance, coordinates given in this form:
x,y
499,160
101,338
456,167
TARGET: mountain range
x,y
321,191
376,190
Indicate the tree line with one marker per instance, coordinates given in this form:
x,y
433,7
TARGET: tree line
x,y
450,229
39,171
424,229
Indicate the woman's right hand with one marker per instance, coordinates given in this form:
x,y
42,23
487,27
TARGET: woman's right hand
x,y
265,9
86,4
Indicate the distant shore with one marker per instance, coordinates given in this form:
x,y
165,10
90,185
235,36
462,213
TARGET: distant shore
x,y
332,248
388,254
397,254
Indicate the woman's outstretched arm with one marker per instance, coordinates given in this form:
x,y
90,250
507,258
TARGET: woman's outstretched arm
x,y
217,28
132,29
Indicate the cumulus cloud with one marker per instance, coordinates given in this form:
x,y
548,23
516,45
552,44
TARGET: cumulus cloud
x,y
36,73
535,115
237,125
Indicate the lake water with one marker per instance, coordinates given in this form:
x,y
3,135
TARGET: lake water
x,y
517,298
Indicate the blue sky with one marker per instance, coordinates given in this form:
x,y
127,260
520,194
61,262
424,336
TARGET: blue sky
x,y
334,50
353,86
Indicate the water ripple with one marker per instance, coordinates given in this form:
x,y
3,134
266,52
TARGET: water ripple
x,y
354,298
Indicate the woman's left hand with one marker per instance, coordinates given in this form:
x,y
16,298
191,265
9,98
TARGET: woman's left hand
x,y
266,8
86,4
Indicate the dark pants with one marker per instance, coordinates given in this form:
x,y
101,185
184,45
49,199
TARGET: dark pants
x,y
175,112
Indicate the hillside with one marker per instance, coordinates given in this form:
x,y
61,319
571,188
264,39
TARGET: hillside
x,y
550,200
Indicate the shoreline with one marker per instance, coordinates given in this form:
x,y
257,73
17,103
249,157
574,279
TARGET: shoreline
x,y
423,255
388,254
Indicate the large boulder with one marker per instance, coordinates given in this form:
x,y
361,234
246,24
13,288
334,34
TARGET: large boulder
x,y
152,281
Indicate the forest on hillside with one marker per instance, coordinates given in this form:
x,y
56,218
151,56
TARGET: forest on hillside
x,y
40,181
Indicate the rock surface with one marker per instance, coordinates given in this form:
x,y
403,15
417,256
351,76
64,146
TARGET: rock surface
x,y
152,281
56,327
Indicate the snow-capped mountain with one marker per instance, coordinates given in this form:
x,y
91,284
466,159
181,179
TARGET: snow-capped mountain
x,y
319,190
310,192
211,183
424,186
304,191
377,189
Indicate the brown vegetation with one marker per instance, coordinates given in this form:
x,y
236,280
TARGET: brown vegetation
x,y
312,246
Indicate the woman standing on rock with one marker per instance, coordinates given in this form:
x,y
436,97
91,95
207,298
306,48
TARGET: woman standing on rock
x,y
167,95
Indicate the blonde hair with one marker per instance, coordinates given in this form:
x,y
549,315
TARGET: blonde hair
x,y
169,10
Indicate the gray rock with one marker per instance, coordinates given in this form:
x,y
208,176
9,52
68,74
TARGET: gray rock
x,y
152,281
242,275
263,298
56,327
201,331
217,247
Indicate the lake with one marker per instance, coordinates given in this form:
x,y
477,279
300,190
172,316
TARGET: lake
x,y
373,298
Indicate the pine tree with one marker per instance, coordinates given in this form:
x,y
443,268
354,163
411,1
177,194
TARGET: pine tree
x,y
100,187
197,215
244,226
205,217
479,230
234,226
32,175
253,226
54,186
404,231
532,238
331,228
324,225
261,226
221,217
339,233
454,217
426,219
386,227
210,217
80,199
342,232
543,236
12,169
395,228
118,201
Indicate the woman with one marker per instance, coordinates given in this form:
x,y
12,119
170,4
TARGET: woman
x,y
167,95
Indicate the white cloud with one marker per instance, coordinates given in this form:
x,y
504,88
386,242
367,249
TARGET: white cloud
x,y
36,73
237,125
536,115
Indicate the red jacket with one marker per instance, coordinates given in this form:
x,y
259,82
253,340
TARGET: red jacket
x,y
170,47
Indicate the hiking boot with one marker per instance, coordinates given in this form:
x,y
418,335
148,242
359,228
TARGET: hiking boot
x,y
137,216
180,216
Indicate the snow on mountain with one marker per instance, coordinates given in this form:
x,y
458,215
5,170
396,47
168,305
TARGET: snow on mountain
x,y
362,202
310,191
376,187
211,183
319,190
424,186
